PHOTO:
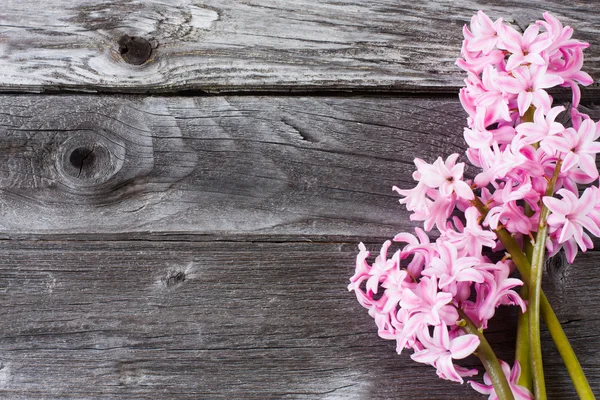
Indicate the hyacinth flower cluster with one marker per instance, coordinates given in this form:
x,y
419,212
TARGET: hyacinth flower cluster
x,y
523,204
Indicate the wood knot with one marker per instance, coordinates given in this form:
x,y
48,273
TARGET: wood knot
x,y
88,159
84,160
174,278
134,50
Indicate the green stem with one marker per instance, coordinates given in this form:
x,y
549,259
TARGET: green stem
x,y
535,289
522,348
533,309
488,359
584,391
522,352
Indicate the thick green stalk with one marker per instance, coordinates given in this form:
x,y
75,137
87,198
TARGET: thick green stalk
x,y
533,309
535,289
488,359
522,354
584,391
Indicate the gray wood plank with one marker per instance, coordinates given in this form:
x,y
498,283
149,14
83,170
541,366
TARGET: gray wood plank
x,y
216,165
243,165
251,45
204,319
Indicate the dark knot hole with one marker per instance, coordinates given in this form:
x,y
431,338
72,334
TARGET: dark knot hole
x,y
134,50
82,158
175,278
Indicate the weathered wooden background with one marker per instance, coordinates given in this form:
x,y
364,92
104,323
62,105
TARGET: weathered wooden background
x,y
183,186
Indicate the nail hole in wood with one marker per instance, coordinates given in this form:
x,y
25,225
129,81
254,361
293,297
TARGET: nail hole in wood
x,y
134,50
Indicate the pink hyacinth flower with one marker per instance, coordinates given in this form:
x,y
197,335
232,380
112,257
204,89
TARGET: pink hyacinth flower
x,y
569,216
565,56
425,305
541,127
473,237
440,349
484,33
520,392
445,175
449,268
578,148
497,290
525,49
528,83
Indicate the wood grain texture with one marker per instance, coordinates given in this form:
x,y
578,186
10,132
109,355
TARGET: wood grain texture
x,y
226,165
217,165
205,319
252,45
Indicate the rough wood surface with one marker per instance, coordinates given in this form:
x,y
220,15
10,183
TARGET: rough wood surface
x,y
206,319
251,45
183,248
216,165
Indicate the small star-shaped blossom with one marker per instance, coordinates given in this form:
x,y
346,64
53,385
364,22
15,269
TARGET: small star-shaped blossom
x,y
528,83
559,35
496,163
449,268
473,237
484,33
511,216
419,247
496,290
440,349
525,49
415,198
578,148
426,305
447,176
541,127
570,215
380,268
512,376
492,104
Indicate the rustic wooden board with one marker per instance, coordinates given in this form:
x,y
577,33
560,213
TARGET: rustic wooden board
x,y
216,165
204,319
250,45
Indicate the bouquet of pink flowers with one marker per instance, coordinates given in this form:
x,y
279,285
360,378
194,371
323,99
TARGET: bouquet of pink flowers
x,y
436,298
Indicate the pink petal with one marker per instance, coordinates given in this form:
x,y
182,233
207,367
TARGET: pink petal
x,y
587,163
524,101
570,248
557,206
483,389
441,336
514,61
425,356
470,275
547,81
446,369
463,346
568,231
535,58
510,84
570,161
463,190
405,237
478,139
